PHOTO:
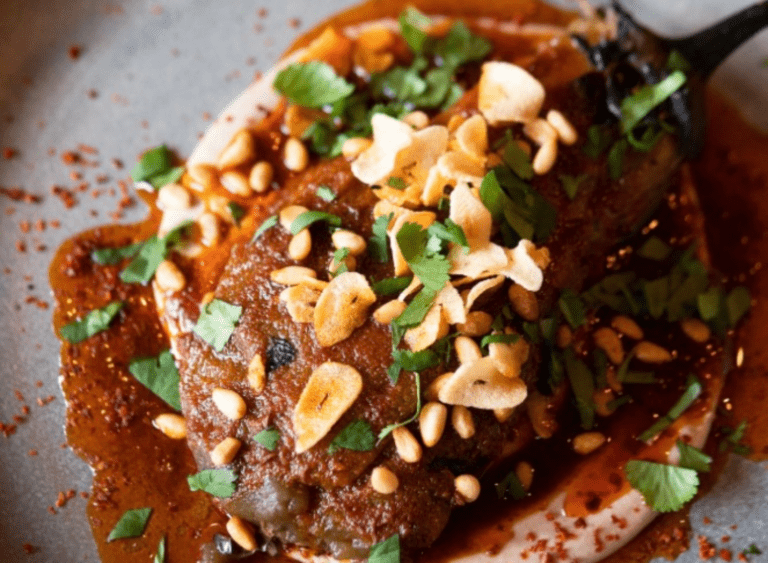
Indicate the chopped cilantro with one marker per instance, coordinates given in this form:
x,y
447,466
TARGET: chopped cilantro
x,y
517,160
160,376
338,260
753,549
148,258
160,552
390,286
737,303
417,309
378,244
666,488
635,107
656,293
131,524
676,61
413,26
236,211
387,551
312,84
693,458
692,391
461,46
309,217
499,338
583,386
616,158
269,437
94,322
411,361
217,482
397,183
168,177
387,430
572,308
431,268
153,162
598,141
356,436
109,256
449,231
217,323
571,184
732,439
268,223
655,249
325,193
510,486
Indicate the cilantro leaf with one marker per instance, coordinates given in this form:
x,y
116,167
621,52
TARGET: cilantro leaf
x,y
309,217
115,255
499,338
236,211
217,482
269,437
616,158
517,160
449,231
737,303
583,386
356,436
572,308
417,309
571,184
160,553
160,376
312,84
387,430
732,439
378,243
692,391
217,323
598,140
153,162
325,193
655,249
167,177
510,486
94,322
677,61
431,269
390,286
635,107
397,183
268,223
413,25
461,46
152,252
693,458
387,551
131,524
666,488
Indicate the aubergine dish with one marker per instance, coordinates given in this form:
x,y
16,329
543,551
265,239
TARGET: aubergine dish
x,y
419,258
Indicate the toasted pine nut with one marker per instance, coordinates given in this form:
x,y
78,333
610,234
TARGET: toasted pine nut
x,y
288,215
461,419
172,425
467,350
540,132
478,323
407,446
696,330
432,422
651,353
524,302
417,119
384,481
202,176
225,451
563,336
349,261
468,487
545,158
389,311
560,123
257,375
541,415
207,298
608,341
601,398
628,327
292,275
434,388
612,378
261,176
300,245
174,196
168,277
503,415
588,442
524,472
455,122
354,146
348,239
241,533
236,183
240,150
295,155
229,403
210,226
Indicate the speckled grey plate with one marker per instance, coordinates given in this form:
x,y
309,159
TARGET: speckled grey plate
x,y
150,72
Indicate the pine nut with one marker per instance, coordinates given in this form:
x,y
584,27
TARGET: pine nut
x,y
560,123
651,353
612,378
174,196
261,176
524,302
348,239
225,451
210,228
503,415
229,403
432,422
545,158
461,419
478,323
349,261
608,341
524,472
384,481
467,350
241,533
300,245
172,425
295,155
417,119
434,388
389,311
207,298
628,327
288,214
168,277
563,337
696,330
407,446
468,487
240,150
292,275
354,146
236,183
257,375
541,415
540,132
601,398
588,442
202,176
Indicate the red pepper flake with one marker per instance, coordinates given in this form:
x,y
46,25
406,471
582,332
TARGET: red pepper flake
x,y
29,549
706,549
66,196
743,557
21,246
258,28
156,10
725,539
9,429
18,419
74,52
19,396
52,510
726,555
263,12
39,225
60,500
38,383
70,157
55,223
118,99
25,410
294,22
706,520
24,226
17,194
32,453
92,93
84,494
71,494
102,178
9,153
206,116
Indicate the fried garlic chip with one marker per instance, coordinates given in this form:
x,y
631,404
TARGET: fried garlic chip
x,y
342,307
481,385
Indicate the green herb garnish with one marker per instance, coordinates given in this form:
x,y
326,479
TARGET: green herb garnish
x,y
666,488
387,430
269,437
572,308
732,439
217,323
583,386
217,482
155,168
571,184
616,158
397,183
498,338
94,322
387,551
109,256
160,376
390,286
325,193
312,84
692,391
510,486
356,436
693,458
378,244
160,552
236,211
431,268
309,217
131,524
655,249
268,223
598,141
635,107
152,252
